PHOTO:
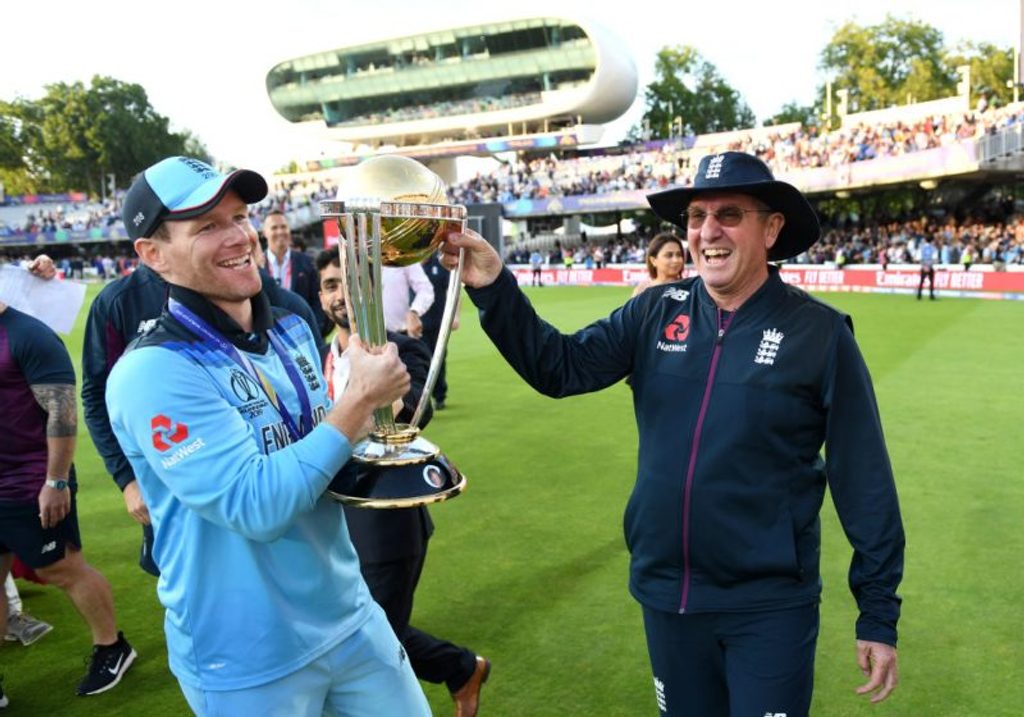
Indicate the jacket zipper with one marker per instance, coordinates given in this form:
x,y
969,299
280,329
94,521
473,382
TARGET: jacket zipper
x,y
722,328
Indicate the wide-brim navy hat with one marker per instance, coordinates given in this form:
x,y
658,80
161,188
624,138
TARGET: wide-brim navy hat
x,y
181,188
746,174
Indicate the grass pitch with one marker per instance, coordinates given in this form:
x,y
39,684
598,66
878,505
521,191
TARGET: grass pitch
x,y
529,567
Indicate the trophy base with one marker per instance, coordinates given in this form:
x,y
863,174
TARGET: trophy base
x,y
401,449
398,486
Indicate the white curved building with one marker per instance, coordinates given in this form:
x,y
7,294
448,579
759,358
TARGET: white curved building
x,y
516,77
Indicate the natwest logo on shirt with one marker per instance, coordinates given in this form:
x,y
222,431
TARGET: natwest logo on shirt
x,y
675,334
167,434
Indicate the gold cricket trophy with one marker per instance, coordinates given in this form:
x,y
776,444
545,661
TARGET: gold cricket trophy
x,y
393,211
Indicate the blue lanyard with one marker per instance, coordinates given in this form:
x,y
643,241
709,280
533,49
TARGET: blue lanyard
x,y
186,316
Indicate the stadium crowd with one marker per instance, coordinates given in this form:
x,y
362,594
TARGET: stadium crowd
x,y
77,216
672,162
992,241
472,105
966,244
22,219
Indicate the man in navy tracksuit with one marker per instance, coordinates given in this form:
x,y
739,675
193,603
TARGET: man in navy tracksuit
x,y
738,380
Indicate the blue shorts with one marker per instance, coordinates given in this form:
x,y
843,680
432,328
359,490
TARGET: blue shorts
x,y
367,675
735,664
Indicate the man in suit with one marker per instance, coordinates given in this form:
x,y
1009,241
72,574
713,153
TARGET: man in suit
x,y
439,277
292,270
392,544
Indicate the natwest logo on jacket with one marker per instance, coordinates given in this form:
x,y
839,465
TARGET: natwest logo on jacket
x,y
678,329
675,335
167,434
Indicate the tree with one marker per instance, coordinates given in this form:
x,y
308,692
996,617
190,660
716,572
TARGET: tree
x,y
194,147
74,136
991,70
10,148
885,64
807,115
689,88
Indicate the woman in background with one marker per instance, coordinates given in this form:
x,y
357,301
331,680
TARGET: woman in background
x,y
665,259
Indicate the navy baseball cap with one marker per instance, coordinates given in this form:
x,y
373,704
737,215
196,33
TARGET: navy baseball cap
x,y
181,188
746,174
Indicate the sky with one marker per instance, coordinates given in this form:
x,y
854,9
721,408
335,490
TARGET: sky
x,y
203,63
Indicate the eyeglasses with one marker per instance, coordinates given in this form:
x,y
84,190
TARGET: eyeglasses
x,y
726,216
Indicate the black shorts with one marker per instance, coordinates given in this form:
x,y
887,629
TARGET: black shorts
x,y
22,533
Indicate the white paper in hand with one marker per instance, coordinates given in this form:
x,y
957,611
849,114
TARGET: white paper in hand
x,y
54,302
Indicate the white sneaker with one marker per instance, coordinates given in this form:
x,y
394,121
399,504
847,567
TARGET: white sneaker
x,y
25,629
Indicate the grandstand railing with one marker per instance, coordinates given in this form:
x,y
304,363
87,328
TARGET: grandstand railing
x,y
1004,143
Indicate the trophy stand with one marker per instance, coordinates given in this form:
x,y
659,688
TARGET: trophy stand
x,y
402,222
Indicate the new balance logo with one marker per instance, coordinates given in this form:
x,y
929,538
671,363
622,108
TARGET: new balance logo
x,y
676,293
49,547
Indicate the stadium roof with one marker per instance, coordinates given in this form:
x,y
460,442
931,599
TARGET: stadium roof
x,y
513,77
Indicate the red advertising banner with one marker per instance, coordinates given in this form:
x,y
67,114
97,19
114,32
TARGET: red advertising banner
x,y
331,233
979,283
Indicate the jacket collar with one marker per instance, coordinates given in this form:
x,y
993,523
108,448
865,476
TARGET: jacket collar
x,y
262,318
766,294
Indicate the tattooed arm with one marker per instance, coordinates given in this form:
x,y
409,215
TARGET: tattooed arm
x,y
58,400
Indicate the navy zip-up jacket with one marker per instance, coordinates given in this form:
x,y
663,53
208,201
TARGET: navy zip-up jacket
x,y
732,411
124,310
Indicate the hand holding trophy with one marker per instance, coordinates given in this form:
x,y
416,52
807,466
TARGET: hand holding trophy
x,y
393,211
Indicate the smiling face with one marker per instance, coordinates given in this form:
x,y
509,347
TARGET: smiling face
x,y
332,295
279,236
667,262
212,254
732,261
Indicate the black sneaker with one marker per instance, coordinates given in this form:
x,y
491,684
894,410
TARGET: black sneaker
x,y
106,666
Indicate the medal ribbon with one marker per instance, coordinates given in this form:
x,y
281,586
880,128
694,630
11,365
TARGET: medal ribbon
x,y
202,329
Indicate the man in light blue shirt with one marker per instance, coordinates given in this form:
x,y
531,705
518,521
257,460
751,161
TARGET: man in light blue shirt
x,y
222,411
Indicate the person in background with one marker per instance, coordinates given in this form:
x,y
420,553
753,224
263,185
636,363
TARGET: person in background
x,y
536,265
392,544
929,254
21,626
440,278
38,510
665,258
408,295
290,268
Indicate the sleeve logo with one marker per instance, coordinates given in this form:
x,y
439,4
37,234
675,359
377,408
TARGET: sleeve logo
x,y
167,434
